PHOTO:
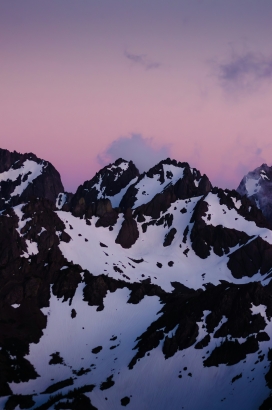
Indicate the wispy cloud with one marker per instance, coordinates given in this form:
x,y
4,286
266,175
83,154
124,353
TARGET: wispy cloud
x,y
142,151
142,60
245,71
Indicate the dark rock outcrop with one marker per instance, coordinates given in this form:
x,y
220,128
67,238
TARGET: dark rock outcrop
x,y
253,257
232,352
184,308
169,237
257,186
97,287
205,237
128,233
44,179
108,182
107,215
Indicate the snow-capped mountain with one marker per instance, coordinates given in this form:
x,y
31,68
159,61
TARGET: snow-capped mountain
x,y
160,299
110,182
23,176
257,186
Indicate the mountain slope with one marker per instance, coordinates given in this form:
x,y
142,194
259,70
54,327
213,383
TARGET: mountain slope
x,y
117,307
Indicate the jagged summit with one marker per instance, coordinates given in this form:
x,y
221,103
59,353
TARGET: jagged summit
x,y
23,176
167,175
257,186
122,184
110,182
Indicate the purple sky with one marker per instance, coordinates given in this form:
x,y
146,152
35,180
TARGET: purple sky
x,y
85,82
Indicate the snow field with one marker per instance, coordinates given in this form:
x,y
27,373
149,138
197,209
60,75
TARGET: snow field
x,y
28,167
188,268
75,339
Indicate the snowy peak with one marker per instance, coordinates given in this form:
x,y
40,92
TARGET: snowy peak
x,y
121,184
24,176
185,182
110,182
257,185
255,180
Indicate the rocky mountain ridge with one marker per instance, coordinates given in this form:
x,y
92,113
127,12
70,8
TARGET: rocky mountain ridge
x,y
134,292
257,186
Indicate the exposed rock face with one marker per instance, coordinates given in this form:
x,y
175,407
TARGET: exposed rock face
x,y
207,236
11,244
255,256
23,176
108,219
169,237
245,208
184,310
8,159
128,233
171,180
97,287
103,207
160,203
109,182
257,186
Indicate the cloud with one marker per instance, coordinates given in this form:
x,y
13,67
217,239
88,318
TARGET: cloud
x,y
252,159
241,157
142,151
142,60
244,72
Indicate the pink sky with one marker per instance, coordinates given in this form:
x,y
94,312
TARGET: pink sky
x,y
192,80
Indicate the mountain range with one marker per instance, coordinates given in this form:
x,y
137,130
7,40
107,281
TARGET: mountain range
x,y
141,290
